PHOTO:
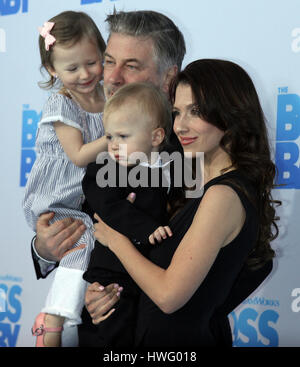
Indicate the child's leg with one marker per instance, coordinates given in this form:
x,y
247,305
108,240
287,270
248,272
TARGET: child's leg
x,y
53,339
67,292
65,299
47,328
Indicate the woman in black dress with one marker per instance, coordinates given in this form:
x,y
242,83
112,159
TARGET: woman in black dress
x,y
188,280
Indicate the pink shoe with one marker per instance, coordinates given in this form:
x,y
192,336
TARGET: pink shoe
x,y
39,330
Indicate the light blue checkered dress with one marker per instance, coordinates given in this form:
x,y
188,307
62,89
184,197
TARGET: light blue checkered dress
x,y
54,183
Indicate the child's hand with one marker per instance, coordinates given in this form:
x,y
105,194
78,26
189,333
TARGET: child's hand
x,y
159,234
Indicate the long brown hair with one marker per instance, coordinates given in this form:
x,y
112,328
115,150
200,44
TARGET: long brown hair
x,y
69,28
226,97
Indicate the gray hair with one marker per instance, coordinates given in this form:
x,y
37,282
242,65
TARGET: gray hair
x,y
168,41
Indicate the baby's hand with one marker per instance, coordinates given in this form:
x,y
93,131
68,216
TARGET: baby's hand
x,y
159,234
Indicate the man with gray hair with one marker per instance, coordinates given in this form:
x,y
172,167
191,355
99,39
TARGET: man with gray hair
x,y
142,46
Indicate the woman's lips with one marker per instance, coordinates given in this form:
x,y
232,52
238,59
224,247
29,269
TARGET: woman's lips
x,y
186,140
119,157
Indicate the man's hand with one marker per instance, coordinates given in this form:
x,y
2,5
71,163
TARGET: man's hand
x,y
55,240
99,300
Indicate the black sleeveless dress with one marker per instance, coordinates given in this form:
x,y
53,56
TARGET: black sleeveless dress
x,y
203,320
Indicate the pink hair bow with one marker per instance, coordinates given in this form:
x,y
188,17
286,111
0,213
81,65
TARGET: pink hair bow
x,y
45,33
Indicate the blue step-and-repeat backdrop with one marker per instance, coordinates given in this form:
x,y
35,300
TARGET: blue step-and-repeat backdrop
x,y
263,36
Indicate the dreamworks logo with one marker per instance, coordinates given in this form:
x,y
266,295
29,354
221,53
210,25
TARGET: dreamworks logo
x,y
187,170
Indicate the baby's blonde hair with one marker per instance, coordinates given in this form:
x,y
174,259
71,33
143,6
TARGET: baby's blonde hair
x,y
149,99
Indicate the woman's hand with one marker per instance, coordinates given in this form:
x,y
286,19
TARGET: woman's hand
x,y
99,300
160,234
104,233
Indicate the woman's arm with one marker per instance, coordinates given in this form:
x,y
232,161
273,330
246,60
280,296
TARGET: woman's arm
x,y
211,229
72,142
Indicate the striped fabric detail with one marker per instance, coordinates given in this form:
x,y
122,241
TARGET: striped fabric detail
x,y
54,183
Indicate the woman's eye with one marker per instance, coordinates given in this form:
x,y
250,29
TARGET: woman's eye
x,y
195,111
123,136
108,137
174,114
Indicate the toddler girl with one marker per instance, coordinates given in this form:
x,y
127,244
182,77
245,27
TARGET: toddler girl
x,y
69,136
